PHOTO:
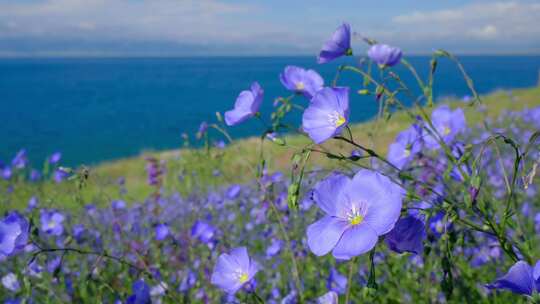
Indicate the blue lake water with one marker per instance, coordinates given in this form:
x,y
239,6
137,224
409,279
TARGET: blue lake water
x,y
101,109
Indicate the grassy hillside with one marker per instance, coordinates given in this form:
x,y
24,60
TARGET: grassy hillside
x,y
192,169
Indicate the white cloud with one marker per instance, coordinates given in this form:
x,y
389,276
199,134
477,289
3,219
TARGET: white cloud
x,y
169,20
486,32
481,20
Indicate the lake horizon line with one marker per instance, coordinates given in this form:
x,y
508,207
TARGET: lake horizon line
x,y
154,56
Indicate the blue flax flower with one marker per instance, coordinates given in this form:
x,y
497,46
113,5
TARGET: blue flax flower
x,y
234,270
51,222
55,158
10,282
20,160
247,105
358,211
448,125
203,231
385,55
337,46
301,81
13,234
327,114
162,231
407,145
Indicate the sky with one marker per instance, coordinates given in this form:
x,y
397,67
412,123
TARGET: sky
x,y
256,27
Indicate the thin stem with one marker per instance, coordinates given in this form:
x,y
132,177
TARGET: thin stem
x,y
296,274
413,71
349,279
474,226
80,251
385,91
431,130
258,299
222,131
368,151
100,255
503,169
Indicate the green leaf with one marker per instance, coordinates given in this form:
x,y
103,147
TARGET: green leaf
x,y
372,282
292,197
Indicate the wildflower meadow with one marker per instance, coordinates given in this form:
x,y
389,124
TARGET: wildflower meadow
x,y
446,210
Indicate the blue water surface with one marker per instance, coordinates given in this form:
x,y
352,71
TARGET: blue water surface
x,y
101,109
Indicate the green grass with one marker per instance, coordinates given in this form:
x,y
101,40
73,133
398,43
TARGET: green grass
x,y
237,163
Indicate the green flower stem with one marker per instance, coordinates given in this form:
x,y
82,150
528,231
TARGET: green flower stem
x,y
352,265
295,272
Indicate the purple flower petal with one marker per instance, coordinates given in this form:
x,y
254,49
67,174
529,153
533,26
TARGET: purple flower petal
x,y
536,275
382,196
10,282
141,293
355,241
336,281
202,231
330,297
407,236
55,158
324,234
9,232
324,193
20,160
519,279
241,257
162,231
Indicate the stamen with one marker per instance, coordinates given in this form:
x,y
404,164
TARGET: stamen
x,y
446,130
336,119
357,213
357,220
407,152
243,278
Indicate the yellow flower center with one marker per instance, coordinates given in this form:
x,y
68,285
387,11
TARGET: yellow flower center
x,y
340,121
242,278
336,119
446,130
407,153
356,214
300,86
357,219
